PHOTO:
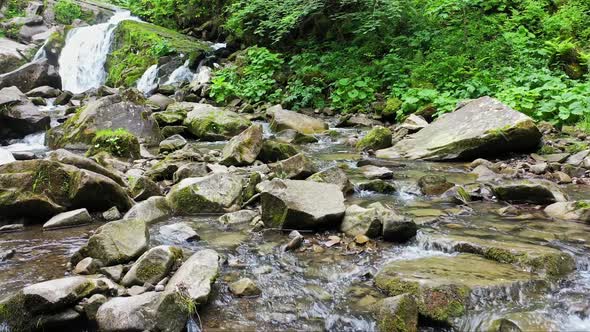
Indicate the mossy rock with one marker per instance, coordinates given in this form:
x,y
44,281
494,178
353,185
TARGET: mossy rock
x,y
214,193
273,151
118,143
212,123
442,285
139,45
152,266
377,138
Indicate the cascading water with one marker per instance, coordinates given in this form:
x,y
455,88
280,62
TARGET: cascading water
x,y
149,80
81,64
181,74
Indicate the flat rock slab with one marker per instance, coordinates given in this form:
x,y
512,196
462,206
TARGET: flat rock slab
x,y
483,126
68,219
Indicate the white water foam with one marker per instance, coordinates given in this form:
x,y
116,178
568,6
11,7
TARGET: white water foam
x,y
148,82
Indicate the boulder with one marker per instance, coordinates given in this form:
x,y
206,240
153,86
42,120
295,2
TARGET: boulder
x,y
213,123
243,149
179,232
44,92
152,266
88,266
6,157
31,75
67,157
91,306
161,101
434,184
218,192
172,143
483,126
573,211
244,287
443,286
283,119
151,210
175,113
363,221
334,175
377,138
293,204
68,219
292,136
18,116
116,112
43,188
398,314
142,188
195,276
273,151
297,167
134,313
375,172
529,191
238,217
191,170
116,242
10,57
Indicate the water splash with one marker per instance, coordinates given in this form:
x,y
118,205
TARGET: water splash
x,y
81,64
148,82
30,143
180,75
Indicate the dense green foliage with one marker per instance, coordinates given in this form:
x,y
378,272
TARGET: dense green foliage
x,y
395,57
13,8
66,11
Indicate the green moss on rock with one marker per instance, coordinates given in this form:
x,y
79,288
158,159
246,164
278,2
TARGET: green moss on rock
x,y
377,138
119,143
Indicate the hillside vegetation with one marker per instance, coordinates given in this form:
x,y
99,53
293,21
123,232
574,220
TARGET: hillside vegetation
x,y
395,57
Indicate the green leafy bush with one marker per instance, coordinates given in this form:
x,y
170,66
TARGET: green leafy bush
x,y
253,79
14,8
66,11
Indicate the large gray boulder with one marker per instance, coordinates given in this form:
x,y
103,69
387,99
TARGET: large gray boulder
x,y
152,266
18,115
43,188
295,204
32,75
215,193
529,191
67,157
116,242
111,112
10,55
134,313
483,126
151,210
212,123
243,149
304,124
195,276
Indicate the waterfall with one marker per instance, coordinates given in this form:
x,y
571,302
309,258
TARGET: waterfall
x,y
81,64
149,80
181,74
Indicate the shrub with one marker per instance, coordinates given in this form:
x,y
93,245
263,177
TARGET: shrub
x,y
66,11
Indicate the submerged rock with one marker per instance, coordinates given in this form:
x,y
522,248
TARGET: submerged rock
x,y
483,126
434,184
574,211
283,119
535,258
529,191
243,149
218,192
244,287
152,266
116,242
238,217
212,123
179,232
42,188
292,204
442,285
378,186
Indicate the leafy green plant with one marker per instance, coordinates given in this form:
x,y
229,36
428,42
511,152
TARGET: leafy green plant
x,y
14,8
253,79
66,11
353,94
119,143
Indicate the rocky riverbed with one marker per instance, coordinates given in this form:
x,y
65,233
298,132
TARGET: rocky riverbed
x,y
128,210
